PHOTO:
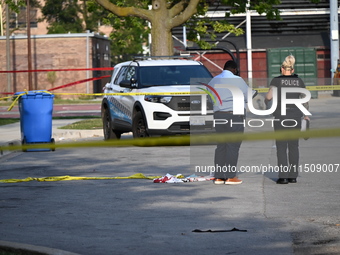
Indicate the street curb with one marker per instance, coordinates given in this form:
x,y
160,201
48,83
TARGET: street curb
x,y
76,134
27,249
58,137
4,152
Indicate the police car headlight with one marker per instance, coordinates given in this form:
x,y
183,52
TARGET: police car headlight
x,y
158,99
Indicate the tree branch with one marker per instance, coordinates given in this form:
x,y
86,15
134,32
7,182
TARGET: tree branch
x,y
186,14
176,9
125,11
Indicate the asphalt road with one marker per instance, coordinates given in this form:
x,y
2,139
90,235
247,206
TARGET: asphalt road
x,y
137,216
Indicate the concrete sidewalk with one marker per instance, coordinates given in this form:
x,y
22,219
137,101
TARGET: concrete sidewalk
x,y
11,134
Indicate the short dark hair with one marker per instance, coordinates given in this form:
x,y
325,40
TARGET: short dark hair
x,y
230,64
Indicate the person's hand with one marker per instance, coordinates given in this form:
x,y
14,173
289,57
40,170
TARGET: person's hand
x,y
306,118
267,101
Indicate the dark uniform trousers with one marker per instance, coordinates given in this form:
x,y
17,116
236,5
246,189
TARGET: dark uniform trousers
x,y
226,154
288,150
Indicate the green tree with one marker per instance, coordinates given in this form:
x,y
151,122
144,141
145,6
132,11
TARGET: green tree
x,y
19,7
14,5
51,77
165,15
128,36
129,20
63,16
72,16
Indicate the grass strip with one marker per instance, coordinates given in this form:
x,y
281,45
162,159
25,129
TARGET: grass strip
x,y
86,122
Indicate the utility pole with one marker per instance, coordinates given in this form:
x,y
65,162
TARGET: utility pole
x,y
1,21
29,53
8,52
333,5
87,60
249,45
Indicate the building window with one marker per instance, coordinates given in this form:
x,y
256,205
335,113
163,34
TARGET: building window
x,y
19,20
323,56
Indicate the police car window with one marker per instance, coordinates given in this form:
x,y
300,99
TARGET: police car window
x,y
130,73
121,75
171,75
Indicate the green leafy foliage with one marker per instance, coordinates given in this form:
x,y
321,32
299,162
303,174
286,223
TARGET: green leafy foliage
x,y
15,5
202,29
130,33
128,36
261,6
63,16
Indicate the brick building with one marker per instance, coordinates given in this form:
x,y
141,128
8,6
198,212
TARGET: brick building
x,y
56,51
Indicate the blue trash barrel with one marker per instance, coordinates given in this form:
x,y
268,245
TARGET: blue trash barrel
x,y
36,109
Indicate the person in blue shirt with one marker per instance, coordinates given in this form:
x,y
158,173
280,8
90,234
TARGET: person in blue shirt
x,y
226,153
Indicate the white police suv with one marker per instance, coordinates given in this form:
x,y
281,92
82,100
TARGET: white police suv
x,y
168,112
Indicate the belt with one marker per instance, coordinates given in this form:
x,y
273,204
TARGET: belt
x,y
231,112
226,111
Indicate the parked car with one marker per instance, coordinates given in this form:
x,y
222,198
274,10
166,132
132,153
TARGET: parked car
x,y
168,112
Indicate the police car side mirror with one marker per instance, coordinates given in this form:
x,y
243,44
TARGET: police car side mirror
x,y
125,84
132,83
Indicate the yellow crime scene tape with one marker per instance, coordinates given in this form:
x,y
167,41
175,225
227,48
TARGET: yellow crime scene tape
x,y
185,140
323,87
310,88
17,97
76,178
259,90
181,140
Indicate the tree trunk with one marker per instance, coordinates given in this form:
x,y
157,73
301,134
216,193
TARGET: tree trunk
x,y
162,20
162,44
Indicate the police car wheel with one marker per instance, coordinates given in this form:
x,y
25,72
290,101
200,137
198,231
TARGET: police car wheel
x,y
139,128
109,133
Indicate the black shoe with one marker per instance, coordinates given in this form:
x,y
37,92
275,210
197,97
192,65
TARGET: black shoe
x,y
282,181
292,180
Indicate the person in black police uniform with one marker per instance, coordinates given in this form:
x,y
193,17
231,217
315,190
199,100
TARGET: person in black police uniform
x,y
288,150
